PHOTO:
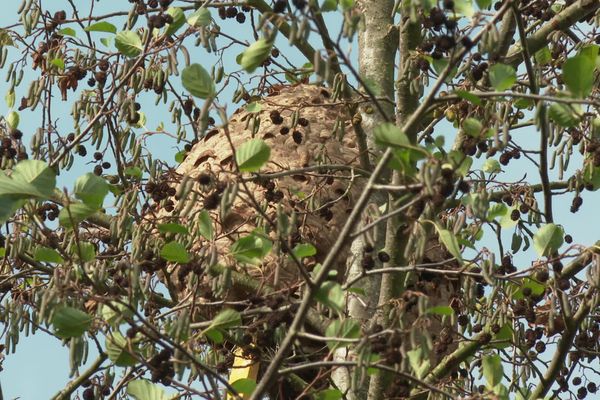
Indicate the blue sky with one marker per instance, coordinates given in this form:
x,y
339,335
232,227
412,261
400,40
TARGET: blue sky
x,y
40,366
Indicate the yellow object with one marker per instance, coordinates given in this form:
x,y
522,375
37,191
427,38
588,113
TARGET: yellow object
x,y
243,368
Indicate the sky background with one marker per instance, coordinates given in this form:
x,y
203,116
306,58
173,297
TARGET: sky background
x,y
40,367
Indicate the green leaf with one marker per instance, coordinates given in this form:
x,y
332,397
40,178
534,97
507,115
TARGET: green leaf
x,y
440,65
5,38
418,362
472,127
244,385
74,213
30,178
304,250
254,55
172,228
102,26
496,210
578,75
196,80
491,166
206,228
251,249
464,7
83,251
68,32
226,319
548,239
252,155
329,5
46,254
9,205
328,394
116,313
70,322
10,98
117,350
515,243
441,310
107,41
200,18
536,288
134,172
543,56
450,242
502,76
129,43
347,4
253,107
143,389
12,119
492,369
506,221
389,135
331,294
470,97
178,20
180,156
346,329
503,337
58,63
563,114
91,189
175,252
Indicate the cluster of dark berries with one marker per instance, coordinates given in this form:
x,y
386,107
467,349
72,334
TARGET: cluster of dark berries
x,y
297,136
48,211
478,70
470,145
7,149
232,12
188,107
576,204
58,18
533,339
509,155
524,308
273,196
98,169
159,191
70,80
445,185
100,75
280,6
158,21
326,213
506,266
133,116
276,117
592,150
162,368
150,263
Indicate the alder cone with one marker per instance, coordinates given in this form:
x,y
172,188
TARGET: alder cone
x,y
321,200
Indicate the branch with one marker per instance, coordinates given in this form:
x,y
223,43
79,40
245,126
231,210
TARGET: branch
x,y
561,21
543,118
562,349
72,386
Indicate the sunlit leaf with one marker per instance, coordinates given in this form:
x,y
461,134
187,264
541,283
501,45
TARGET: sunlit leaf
x,y
70,322
129,43
252,155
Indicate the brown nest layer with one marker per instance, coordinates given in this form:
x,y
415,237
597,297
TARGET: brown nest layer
x,y
313,150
